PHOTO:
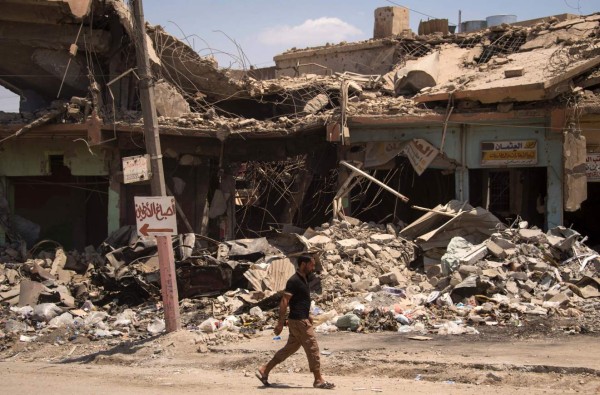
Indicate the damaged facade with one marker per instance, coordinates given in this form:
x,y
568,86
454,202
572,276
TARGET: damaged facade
x,y
369,134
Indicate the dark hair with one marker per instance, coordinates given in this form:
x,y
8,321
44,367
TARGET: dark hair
x,y
303,259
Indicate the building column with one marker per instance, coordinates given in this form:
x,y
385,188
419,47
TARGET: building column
x,y
114,205
554,197
461,181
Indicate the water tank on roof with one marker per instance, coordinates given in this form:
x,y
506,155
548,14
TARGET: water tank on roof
x,y
496,20
472,26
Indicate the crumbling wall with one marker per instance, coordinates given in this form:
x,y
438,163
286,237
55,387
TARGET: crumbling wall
x,y
376,57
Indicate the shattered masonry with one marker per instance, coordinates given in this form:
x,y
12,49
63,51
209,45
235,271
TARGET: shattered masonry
x,y
505,118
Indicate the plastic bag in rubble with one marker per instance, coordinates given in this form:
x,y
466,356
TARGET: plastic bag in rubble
x,y
126,318
355,306
348,322
326,328
13,326
95,318
156,326
402,319
405,329
62,321
325,317
24,312
452,328
454,252
444,300
235,320
45,312
228,325
210,325
257,312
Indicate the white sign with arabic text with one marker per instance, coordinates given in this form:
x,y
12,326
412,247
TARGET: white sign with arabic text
x,y
155,215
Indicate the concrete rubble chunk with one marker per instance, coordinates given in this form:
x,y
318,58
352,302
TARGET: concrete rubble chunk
x,y
319,240
316,104
382,238
532,235
375,248
348,243
495,249
392,278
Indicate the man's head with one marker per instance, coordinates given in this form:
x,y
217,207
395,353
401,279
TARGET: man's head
x,y
306,264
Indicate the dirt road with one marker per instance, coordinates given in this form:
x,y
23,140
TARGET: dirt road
x,y
369,363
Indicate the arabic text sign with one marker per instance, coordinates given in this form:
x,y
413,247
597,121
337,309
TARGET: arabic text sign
x,y
155,215
420,154
592,167
136,168
507,153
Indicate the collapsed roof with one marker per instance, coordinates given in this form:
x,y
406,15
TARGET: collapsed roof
x,y
501,64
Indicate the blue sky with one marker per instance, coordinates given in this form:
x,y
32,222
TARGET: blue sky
x,y
250,32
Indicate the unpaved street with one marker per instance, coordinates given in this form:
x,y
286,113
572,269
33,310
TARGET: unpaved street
x,y
357,363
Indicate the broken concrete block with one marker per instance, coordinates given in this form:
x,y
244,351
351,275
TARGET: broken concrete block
x,y
319,240
382,238
521,276
418,74
495,249
560,298
334,258
511,287
60,259
532,235
467,270
511,73
503,243
316,104
393,253
348,243
360,286
375,248
391,278
370,255
30,292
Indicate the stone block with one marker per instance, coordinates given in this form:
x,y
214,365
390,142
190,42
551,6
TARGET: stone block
x,y
360,286
382,238
319,240
495,249
349,243
375,248
391,278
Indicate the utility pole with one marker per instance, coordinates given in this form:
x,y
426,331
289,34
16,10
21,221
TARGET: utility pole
x,y
166,257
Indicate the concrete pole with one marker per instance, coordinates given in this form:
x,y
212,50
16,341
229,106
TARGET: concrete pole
x,y
166,258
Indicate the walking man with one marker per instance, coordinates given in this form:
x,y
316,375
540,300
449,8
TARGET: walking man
x,y
297,296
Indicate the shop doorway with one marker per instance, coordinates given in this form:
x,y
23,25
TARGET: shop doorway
x,y
511,193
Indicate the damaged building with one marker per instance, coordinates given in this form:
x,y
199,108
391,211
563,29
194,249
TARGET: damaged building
x,y
434,177
505,118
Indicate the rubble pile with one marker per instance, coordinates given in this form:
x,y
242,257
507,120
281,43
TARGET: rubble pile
x,y
513,276
451,271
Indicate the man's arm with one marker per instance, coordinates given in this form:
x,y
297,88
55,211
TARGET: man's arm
x,y
283,305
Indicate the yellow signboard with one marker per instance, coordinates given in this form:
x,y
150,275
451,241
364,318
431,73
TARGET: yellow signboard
x,y
509,153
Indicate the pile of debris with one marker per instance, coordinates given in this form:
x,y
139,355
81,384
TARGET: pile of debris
x,y
473,270
455,268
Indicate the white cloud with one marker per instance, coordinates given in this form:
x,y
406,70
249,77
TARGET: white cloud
x,y
310,33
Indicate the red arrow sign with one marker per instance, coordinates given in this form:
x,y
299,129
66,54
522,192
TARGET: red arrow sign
x,y
145,229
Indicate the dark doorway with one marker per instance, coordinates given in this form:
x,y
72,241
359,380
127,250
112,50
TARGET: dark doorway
x,y
510,193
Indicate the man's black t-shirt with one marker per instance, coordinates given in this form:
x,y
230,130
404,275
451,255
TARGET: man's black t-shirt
x,y
300,300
